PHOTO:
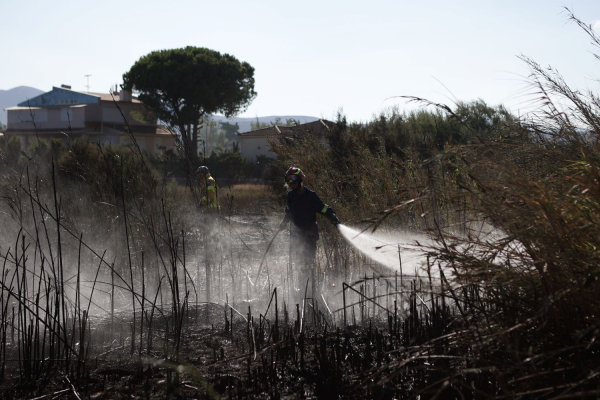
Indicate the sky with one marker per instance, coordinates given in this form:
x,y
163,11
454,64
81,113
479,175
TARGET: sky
x,y
311,58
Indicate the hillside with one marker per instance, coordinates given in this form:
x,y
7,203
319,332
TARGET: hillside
x,y
12,97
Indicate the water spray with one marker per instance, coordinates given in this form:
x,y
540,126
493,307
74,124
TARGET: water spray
x,y
383,249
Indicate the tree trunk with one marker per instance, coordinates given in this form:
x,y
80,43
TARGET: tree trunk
x,y
185,138
195,138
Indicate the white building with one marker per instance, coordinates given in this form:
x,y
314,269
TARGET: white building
x,y
256,143
68,114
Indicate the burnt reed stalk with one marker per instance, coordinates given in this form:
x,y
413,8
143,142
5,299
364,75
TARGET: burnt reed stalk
x,y
61,277
39,352
143,304
133,334
3,319
76,317
20,317
50,312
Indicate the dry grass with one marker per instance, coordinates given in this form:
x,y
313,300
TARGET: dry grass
x,y
248,199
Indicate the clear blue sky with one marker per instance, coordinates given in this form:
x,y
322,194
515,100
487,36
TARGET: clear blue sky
x,y
311,57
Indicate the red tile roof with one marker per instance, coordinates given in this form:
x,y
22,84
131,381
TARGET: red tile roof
x,y
108,97
161,130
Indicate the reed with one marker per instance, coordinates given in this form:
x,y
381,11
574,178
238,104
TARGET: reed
x,y
504,306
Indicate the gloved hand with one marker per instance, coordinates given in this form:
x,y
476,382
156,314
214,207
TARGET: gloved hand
x,y
334,220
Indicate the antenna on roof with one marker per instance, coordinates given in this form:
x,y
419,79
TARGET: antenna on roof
x,y
88,82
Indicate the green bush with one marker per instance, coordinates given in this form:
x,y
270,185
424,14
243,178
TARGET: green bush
x,y
11,150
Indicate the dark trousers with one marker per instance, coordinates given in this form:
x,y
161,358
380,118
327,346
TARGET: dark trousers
x,y
303,252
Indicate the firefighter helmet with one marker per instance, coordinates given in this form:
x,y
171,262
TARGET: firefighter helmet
x,y
294,174
202,170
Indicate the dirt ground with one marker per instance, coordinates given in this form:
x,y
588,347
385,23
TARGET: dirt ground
x,y
219,361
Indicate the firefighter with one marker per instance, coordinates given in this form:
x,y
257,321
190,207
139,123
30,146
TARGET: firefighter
x,y
302,207
208,189
209,199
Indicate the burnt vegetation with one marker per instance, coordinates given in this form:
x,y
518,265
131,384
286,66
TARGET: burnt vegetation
x,y
114,284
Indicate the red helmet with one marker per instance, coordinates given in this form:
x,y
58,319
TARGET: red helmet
x,y
294,174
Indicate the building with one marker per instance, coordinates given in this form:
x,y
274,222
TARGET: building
x,y
67,114
256,143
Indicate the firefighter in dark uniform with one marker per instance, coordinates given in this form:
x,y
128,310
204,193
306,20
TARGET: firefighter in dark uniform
x,y
302,207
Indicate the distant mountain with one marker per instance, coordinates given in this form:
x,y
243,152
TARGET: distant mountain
x,y
12,97
245,123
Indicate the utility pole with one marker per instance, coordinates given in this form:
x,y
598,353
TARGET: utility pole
x,y
88,82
